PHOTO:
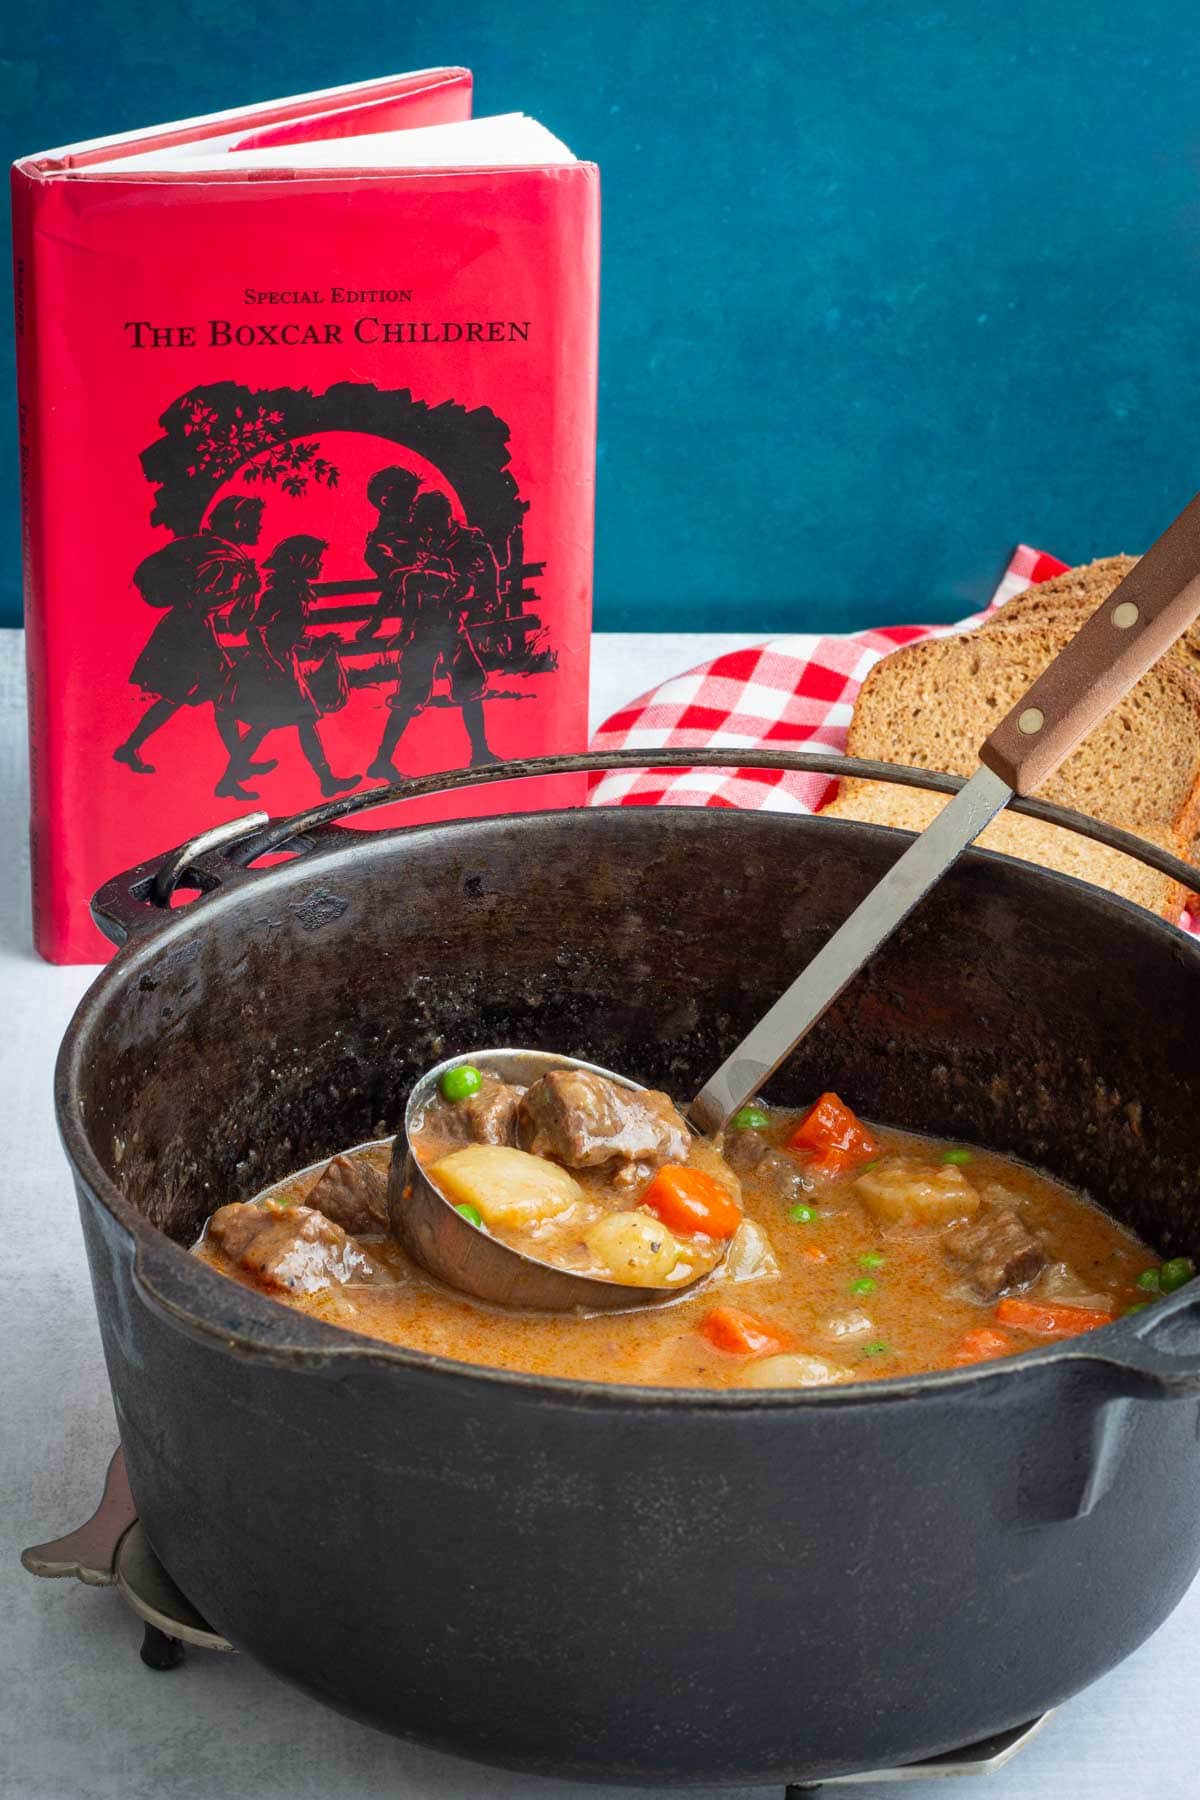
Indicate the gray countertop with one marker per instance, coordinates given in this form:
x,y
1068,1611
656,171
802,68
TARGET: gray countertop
x,y
82,1719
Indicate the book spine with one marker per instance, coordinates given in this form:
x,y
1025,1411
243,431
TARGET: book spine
x,y
31,451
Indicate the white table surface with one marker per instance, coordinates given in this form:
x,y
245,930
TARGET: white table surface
x,y
82,1719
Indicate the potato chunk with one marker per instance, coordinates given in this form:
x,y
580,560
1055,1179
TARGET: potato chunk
x,y
791,1371
903,1190
508,1187
749,1256
1061,1285
846,1326
634,1247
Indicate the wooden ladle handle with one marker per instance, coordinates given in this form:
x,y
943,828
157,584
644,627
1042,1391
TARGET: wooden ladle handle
x,y
1154,605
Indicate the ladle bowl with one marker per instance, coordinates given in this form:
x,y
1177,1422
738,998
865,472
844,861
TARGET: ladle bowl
x,y
469,1259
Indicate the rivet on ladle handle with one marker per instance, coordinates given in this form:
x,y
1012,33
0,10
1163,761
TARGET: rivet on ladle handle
x,y
1138,623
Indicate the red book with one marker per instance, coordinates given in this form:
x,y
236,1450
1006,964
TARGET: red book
x,y
307,403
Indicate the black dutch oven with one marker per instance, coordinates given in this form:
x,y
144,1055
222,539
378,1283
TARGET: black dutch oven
x,y
606,1582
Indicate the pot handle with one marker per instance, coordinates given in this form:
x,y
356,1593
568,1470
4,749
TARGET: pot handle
x,y
1160,1358
142,898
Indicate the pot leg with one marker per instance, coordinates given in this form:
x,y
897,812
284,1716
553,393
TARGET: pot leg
x,y
160,1651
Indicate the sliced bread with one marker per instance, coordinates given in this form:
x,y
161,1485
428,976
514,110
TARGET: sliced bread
x,y
932,704
1051,846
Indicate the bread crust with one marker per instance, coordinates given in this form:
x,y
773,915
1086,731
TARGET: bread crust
x,y
1068,599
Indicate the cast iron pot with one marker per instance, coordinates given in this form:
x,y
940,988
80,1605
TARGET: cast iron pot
x,y
605,1582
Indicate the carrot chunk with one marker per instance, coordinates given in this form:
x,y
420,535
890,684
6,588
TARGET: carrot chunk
x,y
688,1200
833,1137
1051,1321
740,1333
981,1345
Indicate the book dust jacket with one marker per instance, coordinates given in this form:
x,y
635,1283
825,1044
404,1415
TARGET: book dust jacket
x,y
308,468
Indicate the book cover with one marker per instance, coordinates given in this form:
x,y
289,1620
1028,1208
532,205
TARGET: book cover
x,y
307,460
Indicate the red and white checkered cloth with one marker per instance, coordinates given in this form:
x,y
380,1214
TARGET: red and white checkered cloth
x,y
791,690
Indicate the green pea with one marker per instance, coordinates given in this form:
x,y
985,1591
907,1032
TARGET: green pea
x,y
956,1156
460,1082
1176,1273
874,1164
879,1349
874,1259
1138,1306
864,1285
1149,1281
801,1214
751,1118
470,1213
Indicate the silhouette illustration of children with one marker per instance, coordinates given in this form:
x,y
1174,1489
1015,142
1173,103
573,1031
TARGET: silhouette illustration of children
x,y
391,542
448,569
268,687
193,579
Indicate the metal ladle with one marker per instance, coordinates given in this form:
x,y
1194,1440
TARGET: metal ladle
x,y
1139,621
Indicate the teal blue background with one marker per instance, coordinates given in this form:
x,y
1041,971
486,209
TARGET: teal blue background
x,y
886,287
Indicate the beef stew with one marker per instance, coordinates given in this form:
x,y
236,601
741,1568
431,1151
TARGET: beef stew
x,y
835,1251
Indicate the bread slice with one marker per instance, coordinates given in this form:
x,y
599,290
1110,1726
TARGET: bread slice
x,y
932,704
1068,599
912,809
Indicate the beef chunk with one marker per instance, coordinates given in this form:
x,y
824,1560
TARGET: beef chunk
x,y
754,1155
488,1117
492,1112
353,1193
583,1120
996,1252
779,1169
745,1150
293,1247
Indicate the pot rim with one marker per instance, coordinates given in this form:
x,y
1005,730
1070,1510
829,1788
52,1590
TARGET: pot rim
x,y
1136,1366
